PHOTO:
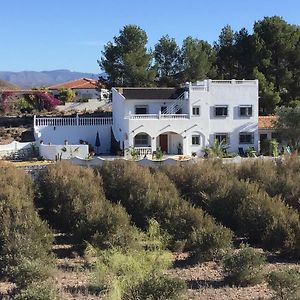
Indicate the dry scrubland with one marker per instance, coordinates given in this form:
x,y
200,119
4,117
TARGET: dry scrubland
x,y
122,231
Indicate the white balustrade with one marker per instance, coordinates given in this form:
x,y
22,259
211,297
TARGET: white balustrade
x,y
77,121
174,116
143,150
157,116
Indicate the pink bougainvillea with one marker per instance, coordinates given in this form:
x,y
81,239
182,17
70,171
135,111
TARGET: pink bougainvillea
x,y
47,101
5,101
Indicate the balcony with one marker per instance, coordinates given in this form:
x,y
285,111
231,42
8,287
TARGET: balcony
x,y
157,116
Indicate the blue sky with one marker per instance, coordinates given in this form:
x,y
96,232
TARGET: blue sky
x,y
69,34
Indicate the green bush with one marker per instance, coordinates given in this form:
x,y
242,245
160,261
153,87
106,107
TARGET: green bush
x,y
134,274
285,284
147,195
244,267
25,241
236,197
74,202
38,291
210,245
156,287
277,179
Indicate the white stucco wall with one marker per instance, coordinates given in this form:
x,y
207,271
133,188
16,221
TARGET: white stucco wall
x,y
74,133
15,147
55,152
231,93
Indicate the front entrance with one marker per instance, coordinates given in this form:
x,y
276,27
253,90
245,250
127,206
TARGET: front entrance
x,y
163,143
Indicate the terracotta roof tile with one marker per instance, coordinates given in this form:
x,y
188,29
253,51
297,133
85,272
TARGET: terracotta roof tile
x,y
82,83
266,122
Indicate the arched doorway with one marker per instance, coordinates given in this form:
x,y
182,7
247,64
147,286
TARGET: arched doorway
x,y
170,142
142,143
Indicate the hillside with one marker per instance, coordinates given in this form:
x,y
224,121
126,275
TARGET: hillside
x,y
4,86
28,79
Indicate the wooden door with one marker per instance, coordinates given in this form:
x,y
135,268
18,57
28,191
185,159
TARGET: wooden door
x,y
163,142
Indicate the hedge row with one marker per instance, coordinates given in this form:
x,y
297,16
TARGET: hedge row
x,y
243,206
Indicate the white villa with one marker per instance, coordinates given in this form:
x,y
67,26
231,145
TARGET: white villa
x,y
178,120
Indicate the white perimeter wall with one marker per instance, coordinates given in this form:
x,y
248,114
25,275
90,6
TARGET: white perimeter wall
x,y
14,147
53,152
58,134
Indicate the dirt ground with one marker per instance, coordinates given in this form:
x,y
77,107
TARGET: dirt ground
x,y
204,280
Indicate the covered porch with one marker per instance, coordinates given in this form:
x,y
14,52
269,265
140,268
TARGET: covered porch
x,y
170,143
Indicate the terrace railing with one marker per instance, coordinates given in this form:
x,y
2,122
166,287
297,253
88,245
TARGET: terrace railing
x,y
74,121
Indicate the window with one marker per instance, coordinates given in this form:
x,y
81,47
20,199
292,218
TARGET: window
x,y
141,109
245,110
196,110
222,137
246,138
195,139
142,140
221,111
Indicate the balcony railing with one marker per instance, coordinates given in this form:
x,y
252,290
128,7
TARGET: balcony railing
x,y
157,116
77,121
143,150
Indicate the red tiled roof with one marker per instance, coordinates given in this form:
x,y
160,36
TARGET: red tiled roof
x,y
82,83
266,122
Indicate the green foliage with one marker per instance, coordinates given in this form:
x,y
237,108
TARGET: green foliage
x,y
74,201
127,61
243,206
288,125
38,291
25,241
167,57
198,57
134,274
158,155
274,148
146,195
160,287
269,97
66,95
216,149
277,54
244,267
134,153
285,284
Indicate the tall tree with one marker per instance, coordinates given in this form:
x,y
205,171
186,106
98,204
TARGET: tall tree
x,y
288,124
226,61
277,49
167,57
268,97
127,60
198,57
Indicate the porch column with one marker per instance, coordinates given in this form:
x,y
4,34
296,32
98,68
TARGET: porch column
x,y
185,146
153,143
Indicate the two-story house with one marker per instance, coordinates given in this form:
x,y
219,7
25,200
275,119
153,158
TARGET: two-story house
x,y
178,120
185,120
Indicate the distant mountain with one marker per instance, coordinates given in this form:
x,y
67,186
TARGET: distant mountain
x,y
4,86
28,79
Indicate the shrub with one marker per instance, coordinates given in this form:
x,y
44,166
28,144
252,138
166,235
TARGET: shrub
x,y
285,284
134,274
74,200
244,267
25,241
155,287
38,291
147,195
210,245
240,205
